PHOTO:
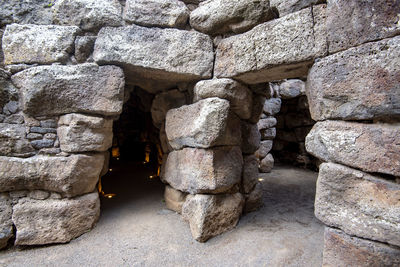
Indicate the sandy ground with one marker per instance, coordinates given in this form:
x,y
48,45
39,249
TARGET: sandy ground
x,y
135,229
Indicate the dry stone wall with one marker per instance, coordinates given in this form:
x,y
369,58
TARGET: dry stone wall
x,y
67,68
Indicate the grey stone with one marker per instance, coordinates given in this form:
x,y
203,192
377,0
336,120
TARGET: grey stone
x,y
84,46
264,149
54,220
50,136
55,89
50,151
6,229
163,102
369,147
1,49
14,119
250,137
13,141
266,123
204,124
223,16
169,55
344,250
41,130
238,95
44,44
70,176
337,88
353,22
165,146
278,49
11,107
253,200
250,173
291,88
211,215
38,194
267,163
48,123
80,133
196,170
268,134
257,108
38,144
25,12
158,13
358,203
290,6
89,15
2,117
7,90
174,199
272,106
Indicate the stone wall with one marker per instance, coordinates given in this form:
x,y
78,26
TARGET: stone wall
x,y
68,65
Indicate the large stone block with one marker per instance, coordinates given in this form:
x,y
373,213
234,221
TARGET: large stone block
x,y
267,163
211,215
13,141
44,44
353,22
344,250
338,88
250,173
70,176
278,49
157,13
369,147
223,16
174,199
163,102
264,149
196,170
6,226
81,133
25,12
56,89
290,6
254,200
251,137
89,15
204,124
49,221
239,96
358,203
156,54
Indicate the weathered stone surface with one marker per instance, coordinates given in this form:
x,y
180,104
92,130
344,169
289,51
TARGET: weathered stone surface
x,y
13,141
71,176
7,90
264,149
291,88
158,13
267,163
353,22
84,47
272,106
80,133
253,200
6,229
251,137
89,15
281,48
204,170
54,220
239,96
38,194
211,215
156,54
337,88
344,250
163,102
203,124
369,147
290,6
44,44
165,146
223,16
174,199
42,130
257,108
358,203
25,12
266,123
39,144
1,49
56,89
250,173
268,134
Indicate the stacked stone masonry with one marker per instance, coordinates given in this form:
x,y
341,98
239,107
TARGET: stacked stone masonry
x,y
217,72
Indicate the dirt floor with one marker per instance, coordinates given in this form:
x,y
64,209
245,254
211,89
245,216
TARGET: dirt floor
x,y
135,229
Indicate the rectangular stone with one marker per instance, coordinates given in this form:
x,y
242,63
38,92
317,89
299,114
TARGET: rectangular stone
x,y
71,176
196,171
278,49
56,89
369,147
43,44
357,84
13,141
354,22
358,203
344,250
